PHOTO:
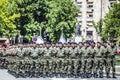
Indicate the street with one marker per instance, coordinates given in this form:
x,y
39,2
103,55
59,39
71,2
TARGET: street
x,y
4,75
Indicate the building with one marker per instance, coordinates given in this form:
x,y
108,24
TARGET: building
x,y
91,10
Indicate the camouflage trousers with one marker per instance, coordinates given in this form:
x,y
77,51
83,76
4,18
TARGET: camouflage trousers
x,y
98,65
84,67
89,65
110,65
79,66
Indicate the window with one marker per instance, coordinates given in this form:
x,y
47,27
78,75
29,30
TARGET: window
x,y
80,6
91,16
89,33
90,6
79,15
78,2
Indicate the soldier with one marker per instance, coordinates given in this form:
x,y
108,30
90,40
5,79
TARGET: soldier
x,y
42,66
66,49
34,52
112,50
59,66
28,50
53,51
39,66
47,51
10,66
98,60
90,60
65,67
54,66
32,69
20,51
85,51
88,56
80,59
70,67
72,51
41,51
27,66
105,58
17,65
45,67
60,50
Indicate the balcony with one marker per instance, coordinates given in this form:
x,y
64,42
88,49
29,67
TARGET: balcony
x,y
89,1
89,19
90,10
90,24
78,2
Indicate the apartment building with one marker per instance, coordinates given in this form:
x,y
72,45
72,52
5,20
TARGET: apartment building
x,y
91,10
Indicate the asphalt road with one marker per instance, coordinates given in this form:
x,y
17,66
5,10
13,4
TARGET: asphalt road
x,y
4,75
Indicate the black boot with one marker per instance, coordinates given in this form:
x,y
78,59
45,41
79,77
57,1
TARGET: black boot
x,y
108,76
101,75
95,75
89,75
114,75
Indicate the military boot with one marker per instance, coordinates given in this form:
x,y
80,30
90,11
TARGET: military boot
x,y
108,75
101,75
95,75
114,75
89,75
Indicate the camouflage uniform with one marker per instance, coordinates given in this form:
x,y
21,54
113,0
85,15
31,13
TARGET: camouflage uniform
x,y
98,60
112,50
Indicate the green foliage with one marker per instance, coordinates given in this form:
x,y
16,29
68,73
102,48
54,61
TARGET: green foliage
x,y
61,15
98,26
50,15
7,18
112,23
32,16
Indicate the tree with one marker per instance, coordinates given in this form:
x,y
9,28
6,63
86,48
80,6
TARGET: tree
x,y
50,15
7,18
61,16
112,23
98,27
32,16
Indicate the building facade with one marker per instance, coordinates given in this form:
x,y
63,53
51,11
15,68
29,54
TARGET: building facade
x,y
91,10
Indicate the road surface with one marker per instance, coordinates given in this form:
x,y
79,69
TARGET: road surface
x,y
4,75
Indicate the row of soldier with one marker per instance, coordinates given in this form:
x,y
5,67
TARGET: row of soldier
x,y
83,58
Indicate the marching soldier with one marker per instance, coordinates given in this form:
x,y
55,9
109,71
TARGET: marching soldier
x,y
111,58
98,63
105,58
91,58
34,52
85,51
79,56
